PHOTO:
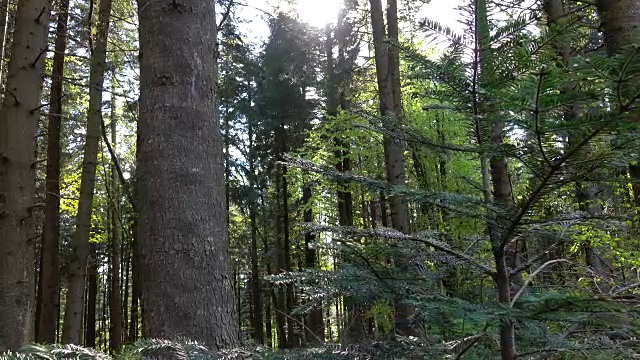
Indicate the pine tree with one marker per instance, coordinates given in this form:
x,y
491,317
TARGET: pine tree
x,y
18,125
182,222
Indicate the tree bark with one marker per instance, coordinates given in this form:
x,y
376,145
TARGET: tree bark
x,y
48,305
388,76
18,126
72,326
187,289
620,23
4,20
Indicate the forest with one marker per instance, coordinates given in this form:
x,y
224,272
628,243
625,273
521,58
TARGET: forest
x,y
348,179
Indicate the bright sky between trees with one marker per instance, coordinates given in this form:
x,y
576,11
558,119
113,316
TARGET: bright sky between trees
x,y
318,13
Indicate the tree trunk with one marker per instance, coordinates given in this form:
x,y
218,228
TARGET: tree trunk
x,y
135,289
620,24
72,326
48,305
355,332
4,20
92,299
187,290
388,75
279,300
315,329
256,288
18,126
115,303
501,187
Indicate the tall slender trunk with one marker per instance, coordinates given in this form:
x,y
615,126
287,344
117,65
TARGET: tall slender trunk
x,y
620,24
187,289
256,288
72,326
271,297
4,20
126,279
586,195
315,328
500,185
18,126
92,298
335,98
279,300
115,303
390,96
48,305
135,289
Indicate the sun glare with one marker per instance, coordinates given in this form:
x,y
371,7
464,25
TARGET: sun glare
x,y
319,12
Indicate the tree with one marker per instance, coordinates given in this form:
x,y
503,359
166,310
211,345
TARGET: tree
x,y
186,288
18,125
72,327
390,98
49,287
115,303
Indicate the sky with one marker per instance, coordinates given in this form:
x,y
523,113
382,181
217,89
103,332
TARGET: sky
x,y
319,12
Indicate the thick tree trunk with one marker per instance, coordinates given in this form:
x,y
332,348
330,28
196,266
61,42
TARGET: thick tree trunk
x,y
48,305
72,326
620,23
187,290
115,303
18,126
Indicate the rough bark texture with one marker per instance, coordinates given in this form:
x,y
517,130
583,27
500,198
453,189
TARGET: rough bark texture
x,y
72,326
187,291
48,292
4,19
18,125
620,23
